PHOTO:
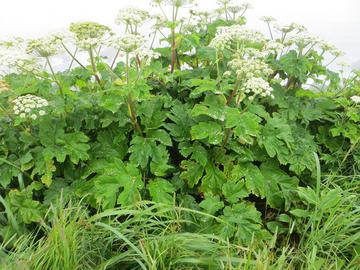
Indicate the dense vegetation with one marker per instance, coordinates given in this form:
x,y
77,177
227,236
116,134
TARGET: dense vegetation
x,y
219,149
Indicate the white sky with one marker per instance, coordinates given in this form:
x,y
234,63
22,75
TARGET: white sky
x,y
337,21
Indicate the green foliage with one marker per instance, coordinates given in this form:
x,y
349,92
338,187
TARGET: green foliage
x,y
197,138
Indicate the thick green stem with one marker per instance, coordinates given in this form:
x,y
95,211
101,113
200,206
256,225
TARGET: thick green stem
x,y
93,66
132,114
233,93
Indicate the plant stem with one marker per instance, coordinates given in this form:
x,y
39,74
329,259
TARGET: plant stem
x,y
132,114
173,51
73,56
93,65
271,35
72,59
54,76
233,93
116,56
127,68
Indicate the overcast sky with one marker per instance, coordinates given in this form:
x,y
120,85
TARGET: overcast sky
x,y
337,21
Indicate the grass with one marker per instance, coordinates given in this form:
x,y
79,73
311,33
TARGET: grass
x,y
154,237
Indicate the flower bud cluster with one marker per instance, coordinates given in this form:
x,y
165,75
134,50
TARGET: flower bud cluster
x,y
90,34
257,87
29,106
132,16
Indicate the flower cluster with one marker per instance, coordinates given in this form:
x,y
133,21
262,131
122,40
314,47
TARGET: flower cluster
x,y
257,87
303,40
127,43
268,19
273,47
4,86
355,99
29,106
176,3
287,28
145,55
235,34
15,59
248,68
90,34
330,48
132,16
44,47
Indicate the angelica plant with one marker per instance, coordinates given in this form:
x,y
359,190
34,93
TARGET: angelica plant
x,y
207,114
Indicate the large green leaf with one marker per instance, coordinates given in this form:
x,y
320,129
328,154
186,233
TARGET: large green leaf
x,y
213,179
254,180
210,130
280,188
246,125
213,106
59,144
192,172
244,223
114,182
276,137
161,190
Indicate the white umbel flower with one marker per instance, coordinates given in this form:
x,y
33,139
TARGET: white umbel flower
x,y
44,47
90,34
273,47
127,43
235,34
257,87
132,16
355,99
247,68
287,28
28,106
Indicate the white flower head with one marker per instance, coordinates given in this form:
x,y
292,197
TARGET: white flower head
x,y
127,43
146,56
248,68
273,47
44,47
132,16
287,28
90,34
257,87
176,3
268,19
235,34
355,99
28,106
